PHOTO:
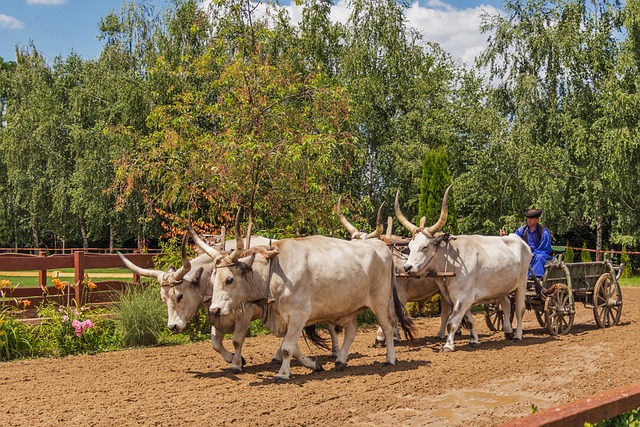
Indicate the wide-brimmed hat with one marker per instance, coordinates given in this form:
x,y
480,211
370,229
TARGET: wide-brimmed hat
x,y
532,213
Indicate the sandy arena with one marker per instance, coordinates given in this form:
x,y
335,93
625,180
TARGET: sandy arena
x,y
191,385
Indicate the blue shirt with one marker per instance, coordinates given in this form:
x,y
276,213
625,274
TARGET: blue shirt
x,y
541,249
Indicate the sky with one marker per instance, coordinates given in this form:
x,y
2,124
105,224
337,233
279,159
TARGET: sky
x,y
58,27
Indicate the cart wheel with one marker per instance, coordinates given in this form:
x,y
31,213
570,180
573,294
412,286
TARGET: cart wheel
x,y
540,318
607,301
494,315
559,311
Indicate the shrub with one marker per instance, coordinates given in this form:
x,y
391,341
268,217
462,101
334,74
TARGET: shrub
x,y
625,259
568,254
72,330
17,339
585,256
199,328
140,315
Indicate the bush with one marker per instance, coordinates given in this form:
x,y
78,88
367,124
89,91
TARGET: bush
x,y
17,339
585,256
627,270
199,328
74,330
568,254
141,316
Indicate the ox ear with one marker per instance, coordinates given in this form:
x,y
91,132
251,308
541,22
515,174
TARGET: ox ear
x,y
195,280
443,237
171,269
245,263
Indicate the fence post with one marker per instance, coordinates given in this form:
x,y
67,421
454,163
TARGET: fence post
x,y
78,266
42,274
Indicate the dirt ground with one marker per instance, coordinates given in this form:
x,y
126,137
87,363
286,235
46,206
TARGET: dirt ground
x,y
191,385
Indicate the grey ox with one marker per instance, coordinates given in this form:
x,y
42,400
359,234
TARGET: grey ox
x,y
185,289
410,288
486,268
306,281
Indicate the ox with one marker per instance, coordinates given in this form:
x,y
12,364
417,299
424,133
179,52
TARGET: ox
x,y
487,269
310,280
410,288
185,289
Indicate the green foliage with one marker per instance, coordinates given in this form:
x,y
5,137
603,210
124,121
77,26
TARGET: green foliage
x,y
198,328
628,419
585,256
625,258
71,330
568,254
431,307
140,315
434,182
17,339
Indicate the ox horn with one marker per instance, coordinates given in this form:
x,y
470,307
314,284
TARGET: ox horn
x,y
157,274
403,220
379,226
212,252
444,212
223,237
237,252
249,228
350,228
186,265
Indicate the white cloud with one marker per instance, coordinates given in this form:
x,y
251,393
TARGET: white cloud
x,y
456,30
10,22
47,2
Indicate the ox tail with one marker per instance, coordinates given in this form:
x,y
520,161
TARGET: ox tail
x,y
315,338
406,323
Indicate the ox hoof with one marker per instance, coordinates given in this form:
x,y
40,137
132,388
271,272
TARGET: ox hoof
x,y
379,343
236,370
447,350
474,344
340,366
281,379
244,362
275,361
390,363
508,335
318,367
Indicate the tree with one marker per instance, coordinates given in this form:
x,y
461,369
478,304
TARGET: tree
x,y
433,184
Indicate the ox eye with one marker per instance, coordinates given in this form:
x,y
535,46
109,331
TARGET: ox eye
x,y
180,297
229,280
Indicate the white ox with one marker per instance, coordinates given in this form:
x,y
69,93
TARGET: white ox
x,y
487,269
410,288
311,280
186,289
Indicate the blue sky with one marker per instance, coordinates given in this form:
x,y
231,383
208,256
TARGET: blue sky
x,y
57,27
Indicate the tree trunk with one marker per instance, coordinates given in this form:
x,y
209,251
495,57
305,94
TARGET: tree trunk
x,y
599,239
83,233
110,238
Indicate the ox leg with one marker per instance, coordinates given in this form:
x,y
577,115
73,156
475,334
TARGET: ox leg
x,y
335,341
445,312
307,361
349,335
239,334
459,311
384,319
506,319
520,308
216,342
475,340
289,347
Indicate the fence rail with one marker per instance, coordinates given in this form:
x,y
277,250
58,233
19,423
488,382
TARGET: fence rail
x,y
79,261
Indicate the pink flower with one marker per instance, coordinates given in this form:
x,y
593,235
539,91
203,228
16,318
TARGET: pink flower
x,y
80,327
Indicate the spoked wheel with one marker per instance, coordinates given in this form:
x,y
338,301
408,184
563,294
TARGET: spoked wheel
x,y
607,301
494,315
559,311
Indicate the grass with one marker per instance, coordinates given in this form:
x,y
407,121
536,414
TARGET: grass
x,y
96,274
629,281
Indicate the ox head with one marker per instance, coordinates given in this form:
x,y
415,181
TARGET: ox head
x,y
355,234
424,242
232,276
182,290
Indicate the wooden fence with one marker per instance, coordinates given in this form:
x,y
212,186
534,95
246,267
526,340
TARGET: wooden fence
x,y
75,290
